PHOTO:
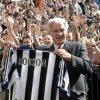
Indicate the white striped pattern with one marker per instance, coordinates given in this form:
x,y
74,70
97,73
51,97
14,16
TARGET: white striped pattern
x,y
28,84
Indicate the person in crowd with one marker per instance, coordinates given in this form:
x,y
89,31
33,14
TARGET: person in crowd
x,y
82,5
27,43
75,57
91,33
70,36
93,50
47,40
94,81
76,7
41,40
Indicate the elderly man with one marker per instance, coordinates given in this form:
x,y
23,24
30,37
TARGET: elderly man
x,y
76,61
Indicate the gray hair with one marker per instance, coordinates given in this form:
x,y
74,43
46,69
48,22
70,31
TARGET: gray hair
x,y
57,20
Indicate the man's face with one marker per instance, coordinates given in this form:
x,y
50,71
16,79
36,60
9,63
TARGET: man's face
x,y
58,33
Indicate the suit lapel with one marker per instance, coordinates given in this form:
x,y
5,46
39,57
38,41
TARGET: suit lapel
x,y
67,47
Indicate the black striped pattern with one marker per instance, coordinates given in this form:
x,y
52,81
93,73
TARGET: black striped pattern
x,y
36,75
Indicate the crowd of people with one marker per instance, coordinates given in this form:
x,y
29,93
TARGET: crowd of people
x,y
38,24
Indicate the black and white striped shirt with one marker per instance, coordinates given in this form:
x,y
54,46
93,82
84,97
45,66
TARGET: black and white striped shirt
x,y
33,75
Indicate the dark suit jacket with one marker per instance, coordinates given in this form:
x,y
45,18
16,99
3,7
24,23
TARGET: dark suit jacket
x,y
78,68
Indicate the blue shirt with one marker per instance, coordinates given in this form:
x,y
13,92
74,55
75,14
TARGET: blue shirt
x,y
24,47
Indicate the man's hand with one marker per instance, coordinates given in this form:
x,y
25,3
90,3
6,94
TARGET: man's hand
x,y
62,53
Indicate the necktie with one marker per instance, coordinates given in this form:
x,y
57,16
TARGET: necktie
x,y
63,77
